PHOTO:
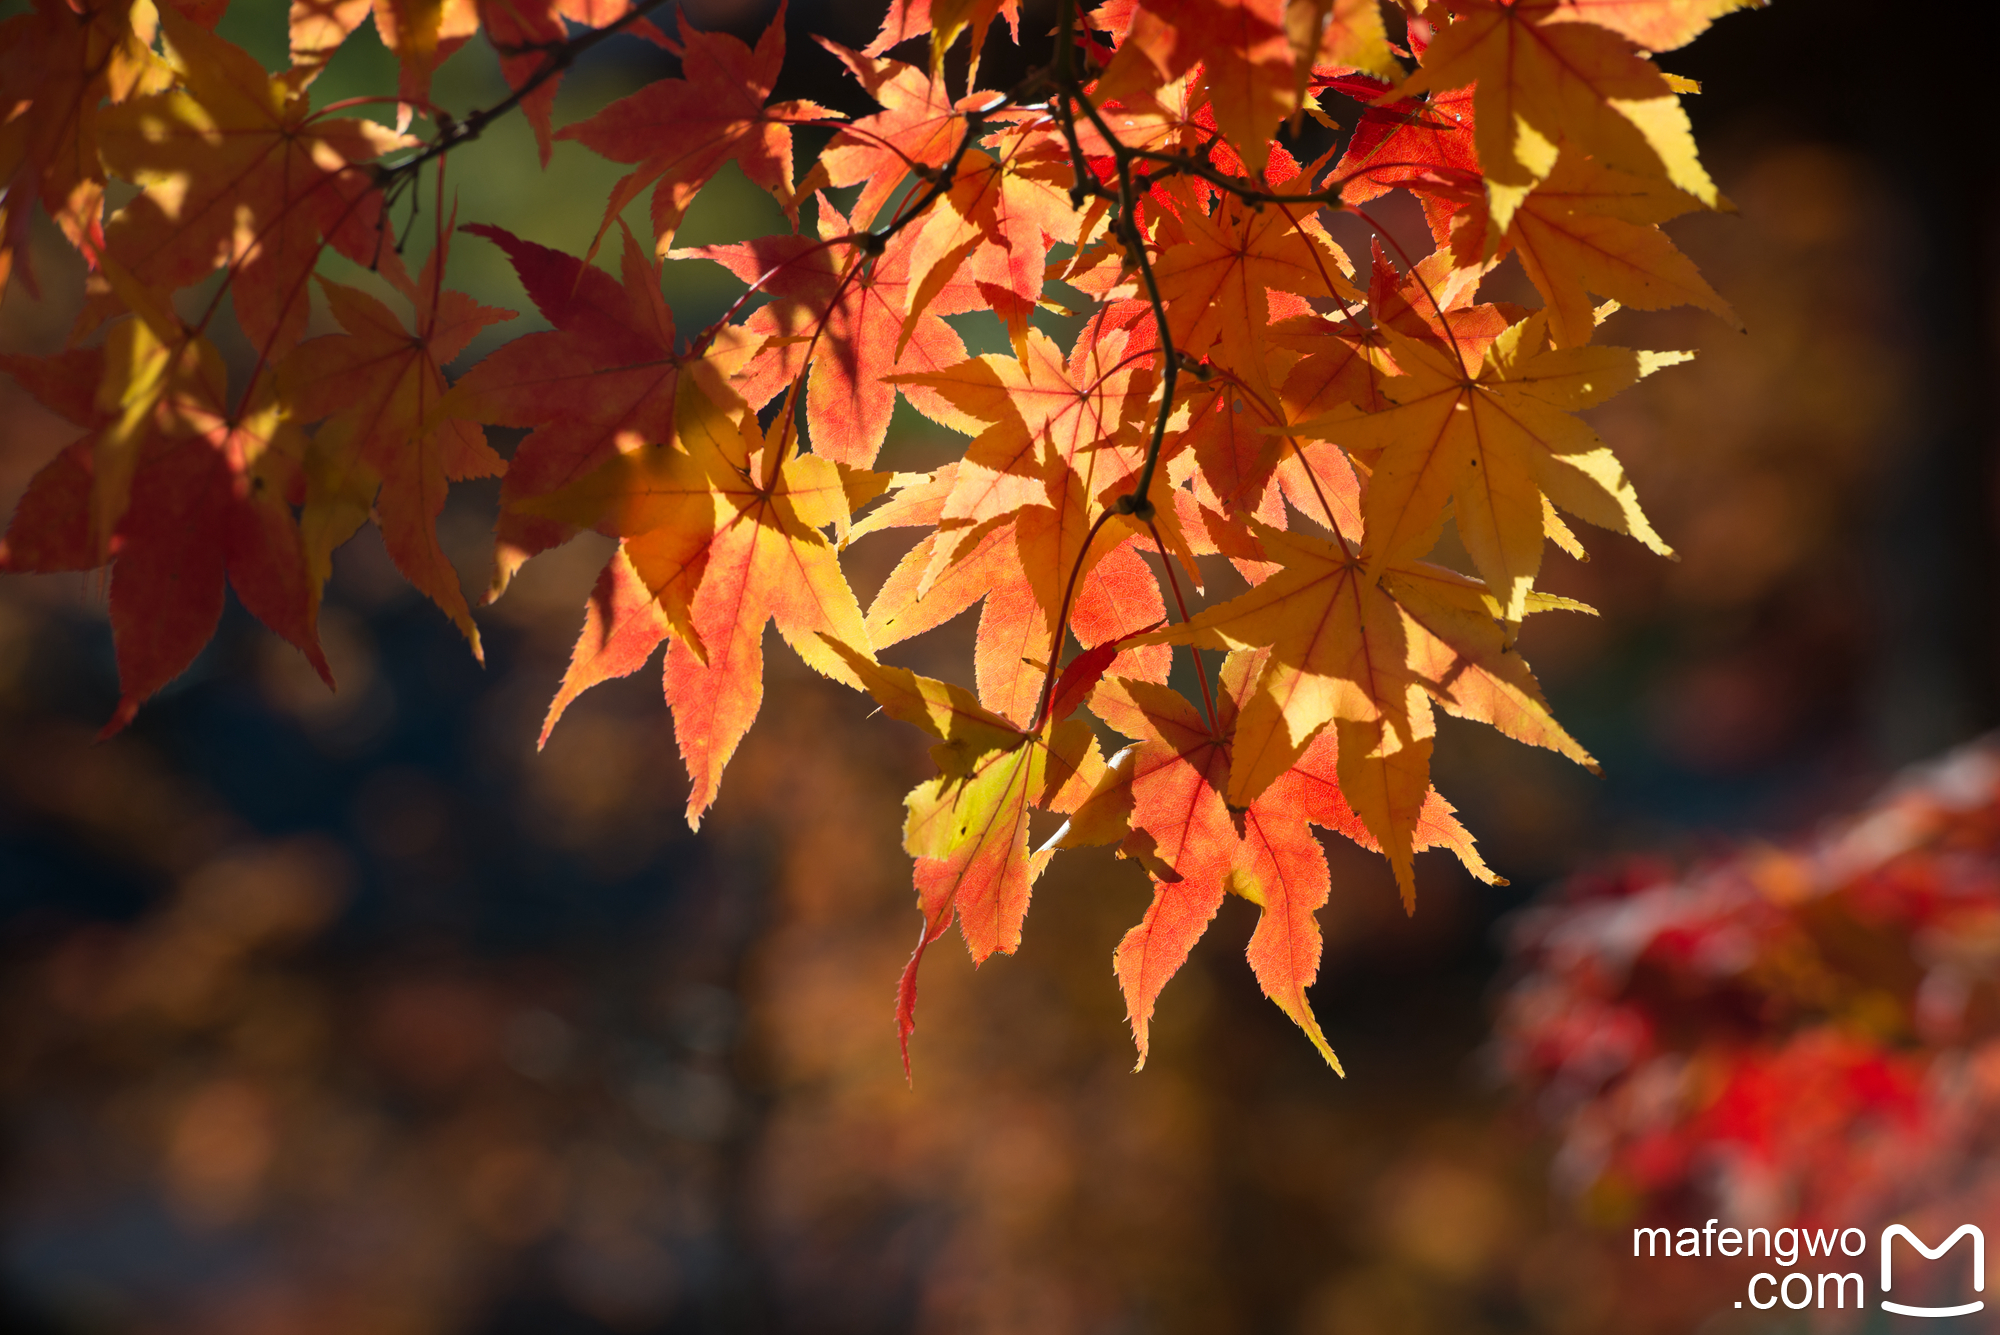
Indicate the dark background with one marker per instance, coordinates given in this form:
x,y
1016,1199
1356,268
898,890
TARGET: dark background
x,y
353,1013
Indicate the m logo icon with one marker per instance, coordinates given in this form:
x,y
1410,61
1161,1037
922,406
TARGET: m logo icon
x,y
1894,1231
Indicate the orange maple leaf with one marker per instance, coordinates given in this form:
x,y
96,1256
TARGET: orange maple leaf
x,y
1014,522
917,128
909,19
1367,649
997,221
1653,25
730,518
968,828
424,34
1162,801
839,317
1436,824
1244,50
237,170
57,67
1216,273
384,444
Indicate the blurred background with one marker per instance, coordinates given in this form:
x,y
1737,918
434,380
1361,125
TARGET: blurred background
x,y
351,1013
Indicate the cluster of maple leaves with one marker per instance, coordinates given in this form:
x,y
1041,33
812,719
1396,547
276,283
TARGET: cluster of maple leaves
x,y
1811,1031
1240,387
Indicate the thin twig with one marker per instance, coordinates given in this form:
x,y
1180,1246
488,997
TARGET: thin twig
x,y
1174,583
1062,615
453,133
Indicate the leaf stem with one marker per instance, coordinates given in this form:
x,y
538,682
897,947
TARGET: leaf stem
x,y
1062,614
1174,583
1450,334
1125,223
1256,400
452,133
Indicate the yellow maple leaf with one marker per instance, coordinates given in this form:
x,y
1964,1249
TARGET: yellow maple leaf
x,y
1590,229
1543,80
1494,441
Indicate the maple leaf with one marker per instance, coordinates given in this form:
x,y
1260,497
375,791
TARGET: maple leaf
x,y
968,828
526,32
1406,141
1216,273
1589,229
316,30
949,18
918,127
1174,116
1337,366
1163,800
1248,53
1008,567
1343,34
729,521
1367,648
1433,304
681,131
606,377
1338,650
57,66
384,443
1542,80
1014,522
1282,870
1115,595
1167,789
1494,440
1435,824
1236,459
1459,651
1049,423
998,220
144,358
625,619
909,19
1653,25
623,623
841,315
237,170
209,509
423,34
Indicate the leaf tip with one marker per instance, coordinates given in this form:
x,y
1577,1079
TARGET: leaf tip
x,y
314,655
906,999
1406,884
1310,1023
128,709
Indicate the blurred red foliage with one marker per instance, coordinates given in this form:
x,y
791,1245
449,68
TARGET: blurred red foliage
x,y
1807,1034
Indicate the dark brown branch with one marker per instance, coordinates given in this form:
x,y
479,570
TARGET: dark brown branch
x,y
561,56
